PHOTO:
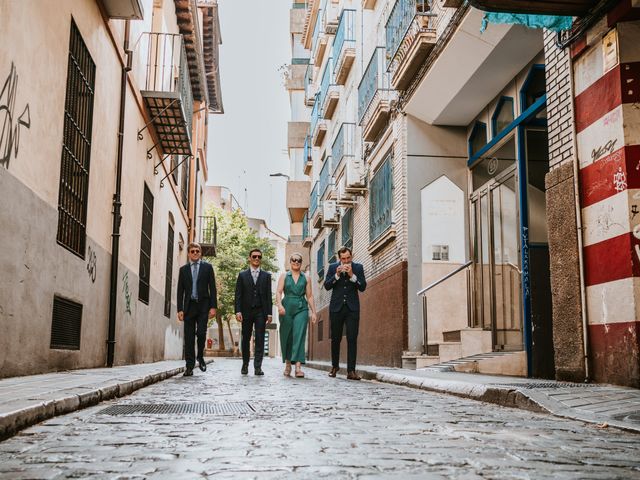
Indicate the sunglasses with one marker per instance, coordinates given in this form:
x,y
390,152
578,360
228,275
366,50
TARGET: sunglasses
x,y
194,250
296,260
256,256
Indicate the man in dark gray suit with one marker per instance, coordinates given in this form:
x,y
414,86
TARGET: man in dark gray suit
x,y
345,279
197,303
254,305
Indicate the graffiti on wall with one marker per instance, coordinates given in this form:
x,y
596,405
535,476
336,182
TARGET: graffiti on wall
x,y
10,125
525,261
126,293
605,149
619,180
92,265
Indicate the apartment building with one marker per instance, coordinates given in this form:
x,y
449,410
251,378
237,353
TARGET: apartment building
x,y
441,145
104,156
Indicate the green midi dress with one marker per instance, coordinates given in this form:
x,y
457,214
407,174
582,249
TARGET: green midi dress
x,y
293,324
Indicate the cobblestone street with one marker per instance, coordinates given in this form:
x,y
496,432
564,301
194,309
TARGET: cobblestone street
x,y
314,428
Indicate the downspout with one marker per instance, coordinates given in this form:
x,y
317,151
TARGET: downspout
x,y
576,196
115,235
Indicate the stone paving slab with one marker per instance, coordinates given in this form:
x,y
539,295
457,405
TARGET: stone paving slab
x,y
605,405
27,400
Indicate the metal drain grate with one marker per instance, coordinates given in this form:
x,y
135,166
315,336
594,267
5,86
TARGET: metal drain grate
x,y
202,408
534,385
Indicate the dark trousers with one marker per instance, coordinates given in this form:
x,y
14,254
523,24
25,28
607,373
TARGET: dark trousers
x,y
338,321
258,320
195,325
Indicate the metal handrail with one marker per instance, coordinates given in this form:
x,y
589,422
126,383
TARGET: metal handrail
x,y
447,276
425,317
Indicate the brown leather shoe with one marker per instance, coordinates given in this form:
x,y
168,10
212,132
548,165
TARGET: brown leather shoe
x,y
333,372
353,376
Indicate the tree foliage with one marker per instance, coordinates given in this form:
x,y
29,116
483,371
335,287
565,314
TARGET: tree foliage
x,y
235,239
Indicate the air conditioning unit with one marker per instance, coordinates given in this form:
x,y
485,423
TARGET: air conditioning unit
x,y
355,177
330,212
344,198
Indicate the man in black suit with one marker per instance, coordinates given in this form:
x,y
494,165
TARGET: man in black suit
x,y
253,308
197,303
345,279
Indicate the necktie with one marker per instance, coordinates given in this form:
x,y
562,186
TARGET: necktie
x,y
194,277
254,274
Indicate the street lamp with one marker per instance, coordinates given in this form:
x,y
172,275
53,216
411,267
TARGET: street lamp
x,y
280,175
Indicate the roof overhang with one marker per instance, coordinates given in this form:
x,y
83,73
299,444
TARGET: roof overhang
x,y
189,26
211,39
574,8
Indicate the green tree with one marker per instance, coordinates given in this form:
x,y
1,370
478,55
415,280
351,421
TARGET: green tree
x,y
235,239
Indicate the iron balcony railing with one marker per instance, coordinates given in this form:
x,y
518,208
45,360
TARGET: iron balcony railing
x,y
399,22
208,235
167,70
305,227
380,201
346,33
375,78
344,144
318,29
306,156
313,199
308,82
325,176
315,114
327,81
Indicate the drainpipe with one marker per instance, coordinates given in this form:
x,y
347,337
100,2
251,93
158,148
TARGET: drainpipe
x,y
115,235
576,195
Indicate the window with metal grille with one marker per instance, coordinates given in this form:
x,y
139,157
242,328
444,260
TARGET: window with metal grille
x,y
440,252
347,228
331,248
169,273
66,322
185,184
76,146
320,330
320,261
380,201
175,160
145,246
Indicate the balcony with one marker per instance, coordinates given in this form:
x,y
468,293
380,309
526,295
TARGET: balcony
x,y
344,46
329,92
318,126
410,37
310,88
207,236
307,239
315,213
319,40
167,91
343,147
325,180
297,199
307,157
375,97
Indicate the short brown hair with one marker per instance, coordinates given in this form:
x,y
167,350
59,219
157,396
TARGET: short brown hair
x,y
255,250
344,249
194,244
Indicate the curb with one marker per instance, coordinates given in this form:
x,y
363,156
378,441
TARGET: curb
x,y
506,397
12,422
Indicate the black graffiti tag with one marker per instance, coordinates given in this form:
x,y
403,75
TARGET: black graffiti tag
x,y
127,294
605,149
92,265
10,130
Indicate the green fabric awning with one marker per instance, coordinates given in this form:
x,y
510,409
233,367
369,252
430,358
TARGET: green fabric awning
x,y
551,22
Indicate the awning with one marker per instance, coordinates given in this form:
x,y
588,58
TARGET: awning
x,y
550,22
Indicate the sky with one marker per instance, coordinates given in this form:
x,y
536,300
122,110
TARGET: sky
x,y
249,141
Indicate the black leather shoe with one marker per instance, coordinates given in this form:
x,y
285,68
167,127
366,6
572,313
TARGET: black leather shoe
x,y
259,371
188,372
202,365
245,369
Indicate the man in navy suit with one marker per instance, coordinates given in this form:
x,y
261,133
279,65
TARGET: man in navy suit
x,y
345,279
253,309
197,303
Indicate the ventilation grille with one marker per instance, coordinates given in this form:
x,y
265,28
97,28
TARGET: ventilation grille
x,y
201,408
65,324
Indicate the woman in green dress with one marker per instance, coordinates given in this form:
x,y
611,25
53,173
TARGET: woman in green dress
x,y
294,310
